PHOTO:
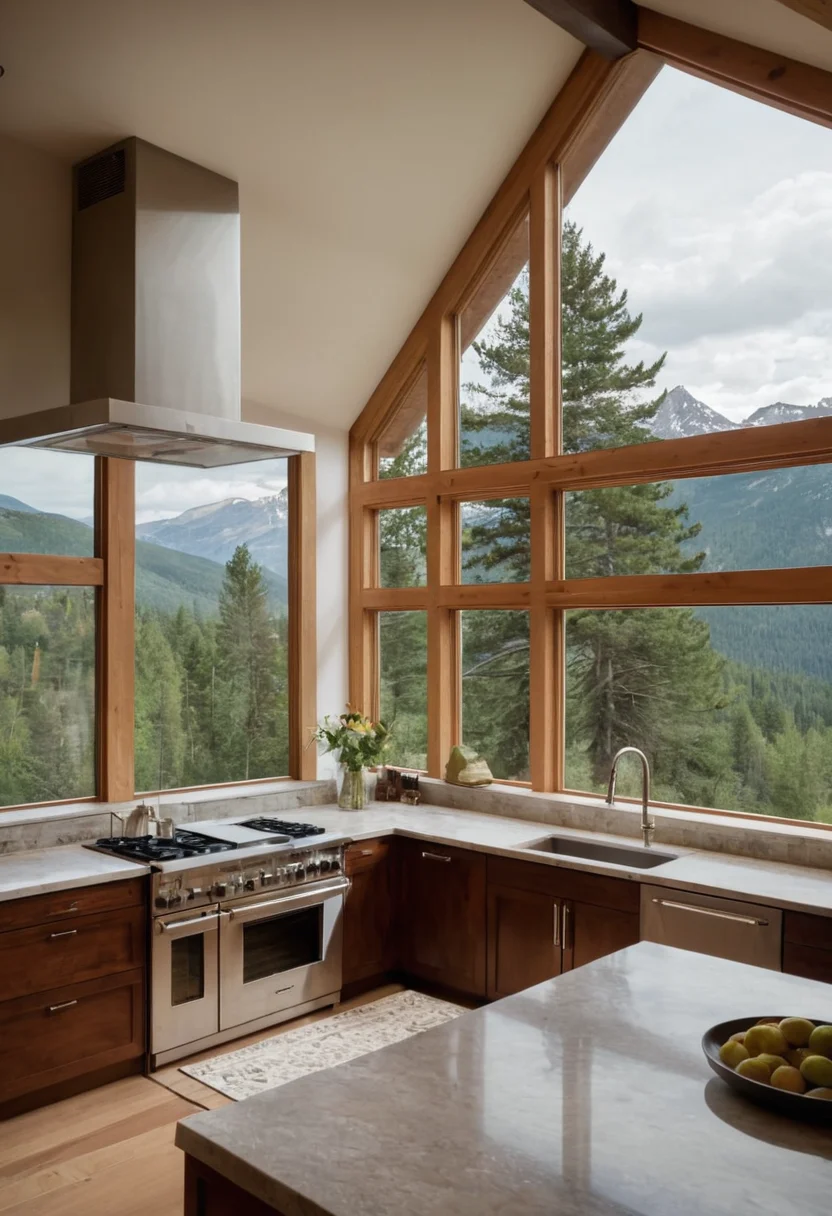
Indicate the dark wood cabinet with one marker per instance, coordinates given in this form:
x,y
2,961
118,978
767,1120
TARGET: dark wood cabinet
x,y
524,939
807,946
369,945
543,920
72,991
442,915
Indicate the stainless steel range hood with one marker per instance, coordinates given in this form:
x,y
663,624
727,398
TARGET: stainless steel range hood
x,y
155,348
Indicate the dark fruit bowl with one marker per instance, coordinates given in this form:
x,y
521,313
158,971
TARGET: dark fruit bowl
x,y
795,1106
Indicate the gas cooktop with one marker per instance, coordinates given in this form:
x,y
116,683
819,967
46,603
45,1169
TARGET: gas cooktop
x,y
295,830
164,848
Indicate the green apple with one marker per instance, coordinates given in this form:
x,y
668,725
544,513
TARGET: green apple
x,y
797,1031
817,1070
820,1041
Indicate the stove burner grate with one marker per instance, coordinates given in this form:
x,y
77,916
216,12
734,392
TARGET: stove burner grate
x,y
295,830
161,848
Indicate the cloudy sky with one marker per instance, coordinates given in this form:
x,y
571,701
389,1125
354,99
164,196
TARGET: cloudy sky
x,y
63,482
716,213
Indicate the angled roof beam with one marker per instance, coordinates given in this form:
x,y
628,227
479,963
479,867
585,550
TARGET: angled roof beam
x,y
606,26
815,10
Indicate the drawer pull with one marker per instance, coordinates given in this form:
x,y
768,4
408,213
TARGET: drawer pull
x,y
435,857
65,911
65,1005
66,933
556,925
366,852
742,920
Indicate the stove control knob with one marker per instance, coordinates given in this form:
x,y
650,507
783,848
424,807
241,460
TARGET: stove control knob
x,y
219,890
174,898
161,901
193,892
250,884
324,864
300,873
335,863
265,878
312,867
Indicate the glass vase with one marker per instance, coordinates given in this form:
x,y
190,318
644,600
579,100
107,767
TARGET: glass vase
x,y
352,790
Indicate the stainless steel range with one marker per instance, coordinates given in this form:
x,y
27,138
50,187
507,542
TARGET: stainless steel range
x,y
247,929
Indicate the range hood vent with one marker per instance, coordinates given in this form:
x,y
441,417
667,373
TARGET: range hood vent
x,y
155,342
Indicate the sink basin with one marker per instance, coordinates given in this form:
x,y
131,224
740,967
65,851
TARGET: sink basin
x,y
618,854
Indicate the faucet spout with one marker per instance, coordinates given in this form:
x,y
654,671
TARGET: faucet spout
x,y
648,825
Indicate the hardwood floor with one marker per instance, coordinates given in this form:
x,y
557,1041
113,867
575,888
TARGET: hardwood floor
x,y
110,1152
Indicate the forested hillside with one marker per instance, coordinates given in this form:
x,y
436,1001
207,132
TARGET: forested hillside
x,y
752,735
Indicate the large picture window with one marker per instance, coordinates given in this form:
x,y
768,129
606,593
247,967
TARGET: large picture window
x,y
212,681
630,539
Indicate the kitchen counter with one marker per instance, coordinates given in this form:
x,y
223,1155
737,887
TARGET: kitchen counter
x,y
798,888
588,1095
40,871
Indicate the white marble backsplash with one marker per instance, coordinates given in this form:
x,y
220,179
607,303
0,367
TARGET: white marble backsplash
x,y
43,827
800,845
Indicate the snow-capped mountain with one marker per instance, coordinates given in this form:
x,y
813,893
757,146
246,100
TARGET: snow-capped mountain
x,y
216,529
681,415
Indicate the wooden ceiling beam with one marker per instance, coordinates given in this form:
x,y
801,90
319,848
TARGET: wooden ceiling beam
x,y
609,27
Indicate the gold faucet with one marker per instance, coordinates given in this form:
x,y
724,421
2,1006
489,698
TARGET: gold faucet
x,y
648,825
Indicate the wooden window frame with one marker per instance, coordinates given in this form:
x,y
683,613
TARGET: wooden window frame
x,y
593,104
112,572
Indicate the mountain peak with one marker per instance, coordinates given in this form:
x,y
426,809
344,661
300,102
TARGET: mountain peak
x,y
681,415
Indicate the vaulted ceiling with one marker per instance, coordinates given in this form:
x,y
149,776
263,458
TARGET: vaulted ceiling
x,y
367,138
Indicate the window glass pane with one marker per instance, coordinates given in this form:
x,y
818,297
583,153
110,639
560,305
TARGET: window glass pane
x,y
402,533
733,706
403,663
494,360
47,693
402,446
697,262
495,689
495,540
46,504
742,521
211,624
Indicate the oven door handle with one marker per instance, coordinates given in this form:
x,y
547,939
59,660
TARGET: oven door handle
x,y
310,895
188,926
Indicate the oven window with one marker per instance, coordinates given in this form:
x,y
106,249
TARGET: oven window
x,y
187,967
282,943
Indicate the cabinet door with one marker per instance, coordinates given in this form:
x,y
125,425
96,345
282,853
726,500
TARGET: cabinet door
x,y
524,939
590,932
368,911
807,946
442,915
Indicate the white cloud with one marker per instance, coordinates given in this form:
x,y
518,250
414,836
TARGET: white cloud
x,y
715,213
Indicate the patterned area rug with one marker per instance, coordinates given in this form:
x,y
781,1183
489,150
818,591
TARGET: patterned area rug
x,y
335,1040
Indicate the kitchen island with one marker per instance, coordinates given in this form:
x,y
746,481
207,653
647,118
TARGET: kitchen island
x,y
587,1096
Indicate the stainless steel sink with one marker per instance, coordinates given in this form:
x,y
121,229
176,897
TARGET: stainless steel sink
x,y
592,850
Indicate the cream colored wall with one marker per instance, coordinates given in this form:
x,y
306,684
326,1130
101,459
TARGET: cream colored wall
x,y
35,226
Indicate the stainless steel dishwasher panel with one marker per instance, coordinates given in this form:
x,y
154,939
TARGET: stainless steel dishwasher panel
x,y
708,924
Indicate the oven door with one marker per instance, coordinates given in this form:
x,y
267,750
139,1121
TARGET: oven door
x,y
279,952
185,979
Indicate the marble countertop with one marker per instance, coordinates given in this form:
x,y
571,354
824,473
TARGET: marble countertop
x,y
588,1095
40,871
800,888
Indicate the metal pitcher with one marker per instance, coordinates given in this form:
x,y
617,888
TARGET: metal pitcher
x,y
141,821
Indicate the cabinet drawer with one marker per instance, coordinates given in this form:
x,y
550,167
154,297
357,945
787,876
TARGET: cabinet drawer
x,y
78,901
70,1031
70,951
806,930
364,854
807,961
597,889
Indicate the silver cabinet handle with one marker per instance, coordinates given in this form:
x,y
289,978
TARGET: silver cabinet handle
x,y
366,852
66,933
65,1005
564,933
742,920
65,911
436,857
556,925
